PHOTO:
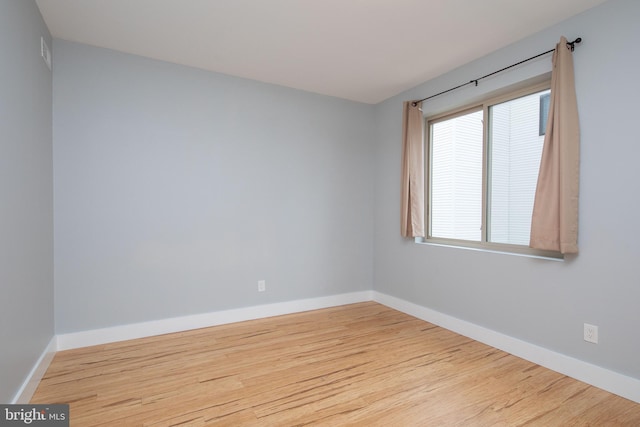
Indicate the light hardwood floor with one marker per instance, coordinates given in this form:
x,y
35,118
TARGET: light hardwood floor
x,y
360,364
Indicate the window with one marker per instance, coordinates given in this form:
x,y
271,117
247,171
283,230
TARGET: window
x,y
482,165
545,100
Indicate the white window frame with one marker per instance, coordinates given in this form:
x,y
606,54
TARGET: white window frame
x,y
483,244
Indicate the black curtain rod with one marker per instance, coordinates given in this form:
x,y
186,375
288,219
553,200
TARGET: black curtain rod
x,y
570,45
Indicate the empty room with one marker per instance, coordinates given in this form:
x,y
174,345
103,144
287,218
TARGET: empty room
x,y
282,212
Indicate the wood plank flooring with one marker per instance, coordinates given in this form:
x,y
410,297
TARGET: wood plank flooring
x,y
360,364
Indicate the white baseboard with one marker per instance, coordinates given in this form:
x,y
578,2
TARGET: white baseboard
x,y
597,376
24,394
196,321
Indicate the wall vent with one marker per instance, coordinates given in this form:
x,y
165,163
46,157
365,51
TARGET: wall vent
x,y
45,52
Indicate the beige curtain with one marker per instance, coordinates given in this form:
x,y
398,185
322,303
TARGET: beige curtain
x,y
554,224
412,208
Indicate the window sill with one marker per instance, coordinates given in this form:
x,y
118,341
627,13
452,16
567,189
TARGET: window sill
x,y
470,246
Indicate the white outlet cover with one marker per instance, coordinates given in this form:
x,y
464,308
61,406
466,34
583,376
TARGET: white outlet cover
x,y
591,333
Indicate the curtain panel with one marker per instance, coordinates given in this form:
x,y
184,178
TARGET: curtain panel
x,y
412,197
554,223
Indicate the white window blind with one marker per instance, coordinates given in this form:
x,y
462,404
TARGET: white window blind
x,y
456,177
515,151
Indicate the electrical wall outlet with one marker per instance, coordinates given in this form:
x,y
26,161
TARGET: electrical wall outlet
x,y
262,285
591,333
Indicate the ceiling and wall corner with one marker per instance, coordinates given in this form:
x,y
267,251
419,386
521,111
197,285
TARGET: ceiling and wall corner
x,y
366,51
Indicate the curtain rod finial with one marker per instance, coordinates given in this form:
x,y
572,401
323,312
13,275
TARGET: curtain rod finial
x,y
572,45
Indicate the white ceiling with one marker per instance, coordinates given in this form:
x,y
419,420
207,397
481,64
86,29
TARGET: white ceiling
x,y
362,50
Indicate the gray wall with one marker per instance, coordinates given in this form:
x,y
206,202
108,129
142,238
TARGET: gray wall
x,y
539,301
178,189
26,207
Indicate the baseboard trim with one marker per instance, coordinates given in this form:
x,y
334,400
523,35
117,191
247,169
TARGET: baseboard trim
x,y
177,324
597,376
24,394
